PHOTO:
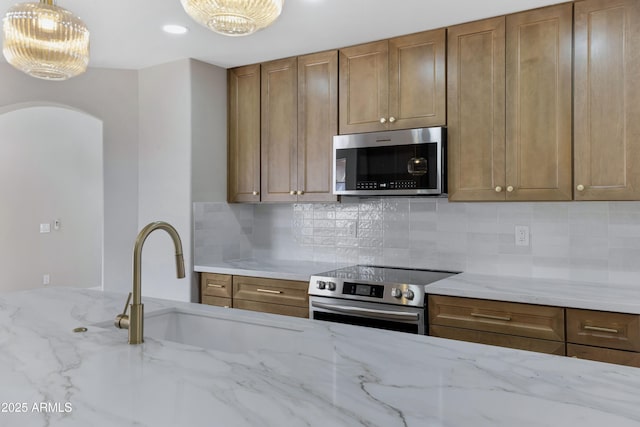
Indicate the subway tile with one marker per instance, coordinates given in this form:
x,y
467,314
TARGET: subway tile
x,y
515,265
550,213
624,260
368,233
482,243
482,264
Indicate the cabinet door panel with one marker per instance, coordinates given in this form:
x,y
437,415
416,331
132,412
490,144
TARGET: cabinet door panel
x,y
476,115
244,134
538,137
279,130
364,87
606,355
502,340
607,99
417,89
603,329
317,124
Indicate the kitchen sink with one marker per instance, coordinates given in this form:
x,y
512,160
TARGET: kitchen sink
x,y
208,330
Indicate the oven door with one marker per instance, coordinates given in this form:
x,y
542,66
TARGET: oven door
x,y
382,316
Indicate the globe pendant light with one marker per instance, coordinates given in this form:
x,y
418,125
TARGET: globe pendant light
x,y
234,17
45,41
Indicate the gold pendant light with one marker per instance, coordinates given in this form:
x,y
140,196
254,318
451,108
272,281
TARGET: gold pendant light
x,y
45,41
234,17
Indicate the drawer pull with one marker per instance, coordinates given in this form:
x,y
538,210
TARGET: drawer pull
x,y
599,329
268,291
489,316
213,285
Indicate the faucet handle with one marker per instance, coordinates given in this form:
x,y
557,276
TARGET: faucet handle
x,y
122,320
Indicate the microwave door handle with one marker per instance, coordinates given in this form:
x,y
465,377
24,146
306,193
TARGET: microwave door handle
x,y
378,314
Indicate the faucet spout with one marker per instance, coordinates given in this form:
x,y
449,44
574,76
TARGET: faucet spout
x,y
136,320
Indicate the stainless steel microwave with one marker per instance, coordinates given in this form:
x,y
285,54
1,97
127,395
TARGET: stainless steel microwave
x,y
401,162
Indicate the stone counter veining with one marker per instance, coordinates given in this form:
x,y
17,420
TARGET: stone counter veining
x,y
269,268
327,375
560,293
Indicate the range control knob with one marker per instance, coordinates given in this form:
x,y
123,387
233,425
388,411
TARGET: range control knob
x,y
331,286
396,292
321,284
408,294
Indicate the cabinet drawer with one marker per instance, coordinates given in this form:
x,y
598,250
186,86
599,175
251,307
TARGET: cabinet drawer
x,y
608,355
264,307
526,320
502,340
220,302
215,285
603,329
286,292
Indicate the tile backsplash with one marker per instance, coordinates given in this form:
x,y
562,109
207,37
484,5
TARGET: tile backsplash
x,y
591,241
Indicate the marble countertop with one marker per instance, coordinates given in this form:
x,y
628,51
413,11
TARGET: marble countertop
x,y
270,268
561,293
326,375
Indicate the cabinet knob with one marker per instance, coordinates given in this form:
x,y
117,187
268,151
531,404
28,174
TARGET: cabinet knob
x,y
383,120
580,187
498,189
392,119
299,192
292,192
510,189
255,193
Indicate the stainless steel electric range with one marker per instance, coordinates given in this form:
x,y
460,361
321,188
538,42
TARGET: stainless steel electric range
x,y
380,297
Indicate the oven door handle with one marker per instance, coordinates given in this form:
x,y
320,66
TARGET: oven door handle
x,y
378,314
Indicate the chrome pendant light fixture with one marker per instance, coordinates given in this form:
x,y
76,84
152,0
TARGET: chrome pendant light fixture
x,y
45,41
234,17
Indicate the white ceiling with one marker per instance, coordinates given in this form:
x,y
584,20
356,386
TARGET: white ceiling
x,y
127,33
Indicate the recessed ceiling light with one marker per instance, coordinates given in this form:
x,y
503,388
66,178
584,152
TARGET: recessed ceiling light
x,y
174,29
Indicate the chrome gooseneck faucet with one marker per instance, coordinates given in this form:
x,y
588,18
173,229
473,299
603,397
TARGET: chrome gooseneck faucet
x,y
135,321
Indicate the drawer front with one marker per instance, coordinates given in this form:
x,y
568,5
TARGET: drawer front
x,y
286,292
220,302
603,329
264,307
502,340
608,355
526,320
215,285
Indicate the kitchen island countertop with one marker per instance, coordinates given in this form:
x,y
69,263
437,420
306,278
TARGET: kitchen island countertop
x,y
323,374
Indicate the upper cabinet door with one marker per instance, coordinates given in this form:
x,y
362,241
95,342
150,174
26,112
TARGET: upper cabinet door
x,y
279,130
317,124
364,88
607,100
476,115
538,104
244,134
417,80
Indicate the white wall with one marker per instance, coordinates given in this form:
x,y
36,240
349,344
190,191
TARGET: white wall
x,y
112,97
50,168
182,156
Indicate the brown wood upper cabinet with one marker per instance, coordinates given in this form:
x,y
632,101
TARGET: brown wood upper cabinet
x,y
398,83
607,100
244,134
509,107
299,120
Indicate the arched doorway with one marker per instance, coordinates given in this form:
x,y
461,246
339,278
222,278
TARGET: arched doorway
x,y
51,172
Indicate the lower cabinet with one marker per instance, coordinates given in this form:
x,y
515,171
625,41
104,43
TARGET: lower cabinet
x,y
604,336
522,326
215,289
287,297
590,334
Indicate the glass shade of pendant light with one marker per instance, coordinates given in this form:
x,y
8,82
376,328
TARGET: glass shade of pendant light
x,y
45,41
234,17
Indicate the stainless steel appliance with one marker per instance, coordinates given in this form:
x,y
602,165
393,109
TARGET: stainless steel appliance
x,y
380,297
400,162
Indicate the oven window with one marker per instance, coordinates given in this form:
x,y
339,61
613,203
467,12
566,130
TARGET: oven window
x,y
363,321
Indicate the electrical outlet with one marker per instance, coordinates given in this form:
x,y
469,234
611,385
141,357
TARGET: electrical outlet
x,y
522,235
45,228
45,279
